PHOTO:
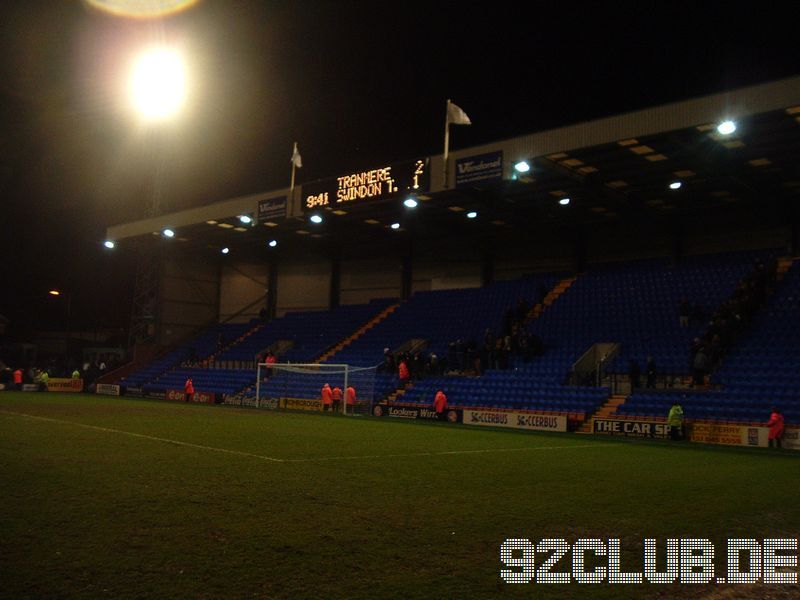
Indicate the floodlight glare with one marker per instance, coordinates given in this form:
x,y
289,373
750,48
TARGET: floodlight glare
x,y
273,243
564,201
225,250
168,233
472,214
410,203
54,293
522,167
726,127
109,244
158,83
675,185
395,225
246,219
315,219
137,9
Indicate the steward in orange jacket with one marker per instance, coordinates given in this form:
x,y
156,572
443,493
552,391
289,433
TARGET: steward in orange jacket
x,y
188,389
775,425
440,404
350,395
327,397
403,372
336,394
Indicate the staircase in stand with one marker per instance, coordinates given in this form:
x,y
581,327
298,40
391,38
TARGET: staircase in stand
x,y
228,345
604,412
784,264
561,287
398,393
358,332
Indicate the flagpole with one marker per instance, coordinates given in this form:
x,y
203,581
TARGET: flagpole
x,y
294,153
446,139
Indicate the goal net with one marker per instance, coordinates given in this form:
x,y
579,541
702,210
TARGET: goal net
x,y
299,386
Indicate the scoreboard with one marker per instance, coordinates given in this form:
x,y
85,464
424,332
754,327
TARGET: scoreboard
x,y
384,182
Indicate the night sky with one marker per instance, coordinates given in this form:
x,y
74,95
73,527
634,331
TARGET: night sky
x,y
354,83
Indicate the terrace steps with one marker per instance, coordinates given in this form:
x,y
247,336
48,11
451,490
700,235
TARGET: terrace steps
x,y
561,287
604,412
231,343
359,332
393,397
784,264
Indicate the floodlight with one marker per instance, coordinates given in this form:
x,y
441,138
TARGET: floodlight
x,y
315,219
158,83
168,233
273,243
564,201
522,167
410,203
472,214
225,250
726,127
395,225
675,185
109,244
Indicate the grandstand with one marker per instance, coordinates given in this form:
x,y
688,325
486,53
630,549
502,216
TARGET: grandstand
x,y
602,239
762,370
631,303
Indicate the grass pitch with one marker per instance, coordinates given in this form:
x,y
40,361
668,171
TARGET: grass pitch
x,y
126,498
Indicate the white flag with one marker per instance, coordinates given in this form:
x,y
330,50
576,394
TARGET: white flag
x,y
296,160
456,116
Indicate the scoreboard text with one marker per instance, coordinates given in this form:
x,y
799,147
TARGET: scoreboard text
x,y
384,182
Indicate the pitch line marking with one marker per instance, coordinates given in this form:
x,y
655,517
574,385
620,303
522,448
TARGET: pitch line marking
x,y
442,453
144,436
299,460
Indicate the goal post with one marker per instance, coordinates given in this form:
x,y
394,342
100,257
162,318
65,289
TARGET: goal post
x,y
299,386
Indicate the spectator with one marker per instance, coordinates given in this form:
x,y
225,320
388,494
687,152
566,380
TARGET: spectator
x,y
188,390
634,372
433,364
775,425
542,293
18,379
327,397
675,421
440,404
651,372
699,367
336,398
697,314
76,374
684,311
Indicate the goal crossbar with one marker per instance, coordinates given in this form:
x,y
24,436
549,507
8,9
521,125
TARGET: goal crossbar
x,y
345,373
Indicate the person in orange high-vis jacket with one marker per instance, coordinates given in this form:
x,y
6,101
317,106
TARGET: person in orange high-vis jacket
x,y
402,371
440,404
188,389
775,425
350,397
327,397
336,395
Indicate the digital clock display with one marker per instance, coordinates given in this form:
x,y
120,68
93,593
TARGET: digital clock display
x,y
383,182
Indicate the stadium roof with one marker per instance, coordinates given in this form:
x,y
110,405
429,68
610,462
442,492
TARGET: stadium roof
x,y
614,169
